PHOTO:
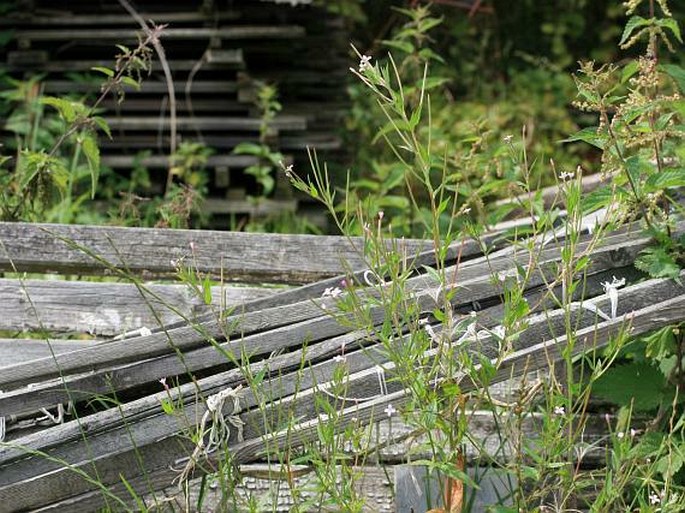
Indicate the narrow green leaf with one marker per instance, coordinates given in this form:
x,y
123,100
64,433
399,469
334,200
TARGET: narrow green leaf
x,y
105,71
129,81
207,291
92,153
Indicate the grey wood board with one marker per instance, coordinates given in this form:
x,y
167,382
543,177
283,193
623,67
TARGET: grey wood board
x,y
220,123
479,288
259,32
149,86
670,306
235,256
106,308
13,350
114,19
162,161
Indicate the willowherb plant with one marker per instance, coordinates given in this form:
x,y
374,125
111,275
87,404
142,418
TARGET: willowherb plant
x,y
638,135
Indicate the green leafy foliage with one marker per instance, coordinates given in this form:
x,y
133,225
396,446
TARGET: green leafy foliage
x,y
658,263
639,385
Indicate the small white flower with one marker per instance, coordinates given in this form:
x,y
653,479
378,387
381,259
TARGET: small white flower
x,y
620,435
423,322
466,210
381,214
566,176
390,410
339,358
365,63
633,432
559,410
654,499
331,292
508,138
145,332
289,171
163,382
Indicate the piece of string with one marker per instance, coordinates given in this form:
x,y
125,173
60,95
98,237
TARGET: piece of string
x,y
382,387
2,426
60,413
220,430
611,290
372,279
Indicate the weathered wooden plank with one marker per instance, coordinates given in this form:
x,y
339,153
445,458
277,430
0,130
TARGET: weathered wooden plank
x,y
257,32
306,321
259,208
669,306
105,308
149,86
233,256
162,161
226,123
71,19
16,350
541,328
27,59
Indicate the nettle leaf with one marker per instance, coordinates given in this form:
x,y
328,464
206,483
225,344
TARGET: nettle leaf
x,y
629,70
92,153
667,178
633,23
64,107
599,198
657,263
102,125
590,136
671,25
636,383
676,73
648,445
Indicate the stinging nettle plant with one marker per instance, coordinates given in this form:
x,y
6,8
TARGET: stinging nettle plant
x,y
47,165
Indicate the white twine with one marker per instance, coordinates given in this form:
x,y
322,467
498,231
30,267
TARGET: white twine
x,y
61,411
611,290
372,279
140,332
220,429
382,387
2,426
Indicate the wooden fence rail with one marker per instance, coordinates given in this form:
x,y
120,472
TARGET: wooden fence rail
x,y
293,339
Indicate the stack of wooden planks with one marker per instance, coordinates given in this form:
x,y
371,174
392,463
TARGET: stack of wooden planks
x,y
218,53
119,438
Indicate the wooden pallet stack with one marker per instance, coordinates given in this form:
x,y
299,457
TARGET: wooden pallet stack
x,y
128,442
218,52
